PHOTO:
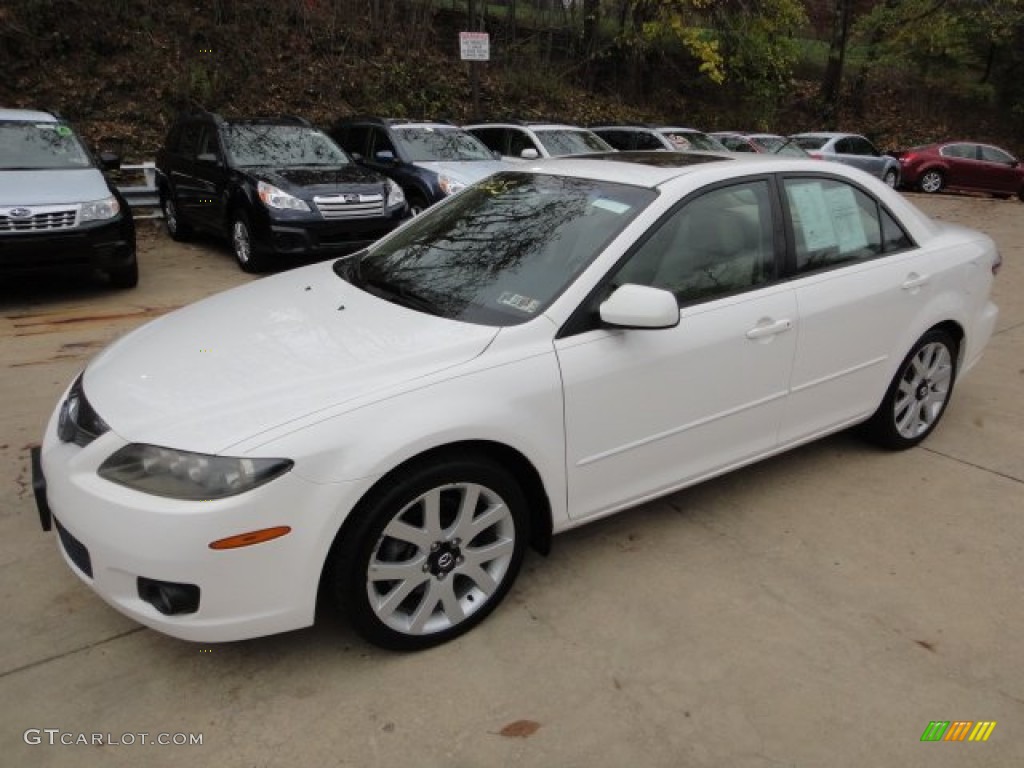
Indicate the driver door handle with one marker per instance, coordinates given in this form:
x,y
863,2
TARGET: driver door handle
x,y
768,327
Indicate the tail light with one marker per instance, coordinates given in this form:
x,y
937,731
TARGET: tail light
x,y
907,157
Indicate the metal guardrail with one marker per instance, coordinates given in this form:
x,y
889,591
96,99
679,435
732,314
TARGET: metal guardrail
x,y
141,196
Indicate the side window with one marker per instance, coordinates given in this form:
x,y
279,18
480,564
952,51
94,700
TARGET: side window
x,y
209,150
861,146
492,138
645,140
353,139
893,236
994,155
832,222
379,142
716,244
618,139
844,147
965,151
518,141
189,139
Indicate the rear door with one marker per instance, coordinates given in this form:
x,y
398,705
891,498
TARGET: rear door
x,y
1001,170
860,281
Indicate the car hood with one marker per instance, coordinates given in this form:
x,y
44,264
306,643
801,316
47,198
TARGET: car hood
x,y
468,171
331,180
253,358
52,187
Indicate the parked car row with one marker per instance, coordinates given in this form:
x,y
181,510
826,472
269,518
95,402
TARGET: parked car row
x,y
278,186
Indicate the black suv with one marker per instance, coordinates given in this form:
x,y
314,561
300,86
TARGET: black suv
x,y
430,160
275,186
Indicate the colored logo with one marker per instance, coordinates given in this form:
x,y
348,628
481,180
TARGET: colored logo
x,y
958,730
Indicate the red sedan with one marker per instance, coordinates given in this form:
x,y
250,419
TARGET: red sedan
x,y
962,165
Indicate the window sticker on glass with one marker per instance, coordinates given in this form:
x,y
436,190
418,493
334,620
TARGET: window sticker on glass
x,y
610,205
522,303
845,213
812,213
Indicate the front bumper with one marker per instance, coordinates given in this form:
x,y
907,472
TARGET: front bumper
x,y
118,540
99,245
320,237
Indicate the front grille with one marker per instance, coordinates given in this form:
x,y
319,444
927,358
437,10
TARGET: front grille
x,y
76,550
335,207
41,219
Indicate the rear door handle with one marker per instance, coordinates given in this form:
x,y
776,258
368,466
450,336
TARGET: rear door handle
x,y
768,327
915,281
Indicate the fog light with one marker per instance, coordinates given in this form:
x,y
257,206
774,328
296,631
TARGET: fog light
x,y
169,598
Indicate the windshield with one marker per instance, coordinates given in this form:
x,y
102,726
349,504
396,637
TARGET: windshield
x,y
499,252
565,141
426,143
281,146
40,146
694,140
810,142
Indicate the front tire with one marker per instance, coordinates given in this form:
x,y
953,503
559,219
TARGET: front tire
x,y
891,178
124,277
931,182
918,395
242,244
431,553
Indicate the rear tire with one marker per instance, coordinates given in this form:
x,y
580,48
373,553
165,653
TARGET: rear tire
x,y
931,182
891,178
918,395
178,229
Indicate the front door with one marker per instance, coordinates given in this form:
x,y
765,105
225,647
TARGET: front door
x,y
647,411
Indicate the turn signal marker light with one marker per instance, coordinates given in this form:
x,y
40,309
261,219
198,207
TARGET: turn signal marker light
x,y
253,537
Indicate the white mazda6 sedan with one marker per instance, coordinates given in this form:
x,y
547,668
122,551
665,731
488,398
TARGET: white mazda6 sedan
x,y
548,347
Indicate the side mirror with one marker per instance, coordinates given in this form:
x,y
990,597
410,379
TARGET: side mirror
x,y
357,156
496,154
640,306
109,160
384,156
529,154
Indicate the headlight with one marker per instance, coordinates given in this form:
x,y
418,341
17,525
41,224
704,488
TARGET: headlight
x,y
100,210
185,475
396,196
449,185
273,197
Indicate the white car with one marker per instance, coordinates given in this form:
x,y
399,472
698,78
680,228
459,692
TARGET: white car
x,y
546,348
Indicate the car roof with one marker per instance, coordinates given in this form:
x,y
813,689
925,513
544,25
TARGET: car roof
x,y
530,126
676,129
27,116
825,135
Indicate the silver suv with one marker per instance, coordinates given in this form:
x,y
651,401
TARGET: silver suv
x,y
57,209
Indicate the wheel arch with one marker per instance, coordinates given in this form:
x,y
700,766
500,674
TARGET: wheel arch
x,y
529,479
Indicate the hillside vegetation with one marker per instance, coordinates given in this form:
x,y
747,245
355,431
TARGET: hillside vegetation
x,y
902,72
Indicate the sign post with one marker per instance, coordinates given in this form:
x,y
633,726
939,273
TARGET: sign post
x,y
475,47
